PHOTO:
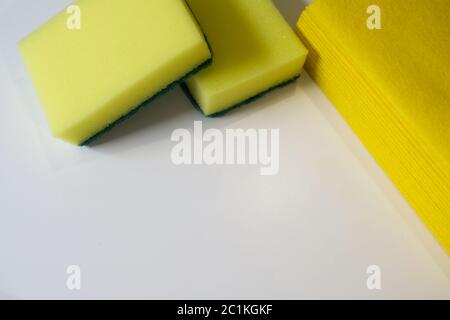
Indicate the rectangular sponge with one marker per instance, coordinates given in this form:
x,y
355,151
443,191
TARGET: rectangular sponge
x,y
124,53
254,50
390,82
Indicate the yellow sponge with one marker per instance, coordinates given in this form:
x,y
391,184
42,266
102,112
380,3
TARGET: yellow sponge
x,y
385,67
254,50
98,61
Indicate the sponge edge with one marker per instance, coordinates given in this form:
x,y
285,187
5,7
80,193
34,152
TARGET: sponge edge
x,y
135,110
92,78
238,105
255,51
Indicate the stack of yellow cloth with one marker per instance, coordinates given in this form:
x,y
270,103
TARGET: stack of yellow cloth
x,y
386,68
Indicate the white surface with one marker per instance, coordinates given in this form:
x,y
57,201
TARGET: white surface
x,y
141,227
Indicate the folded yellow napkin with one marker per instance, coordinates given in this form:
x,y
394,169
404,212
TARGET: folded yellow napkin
x,y
386,68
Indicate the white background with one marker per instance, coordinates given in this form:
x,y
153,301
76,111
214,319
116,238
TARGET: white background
x,y
140,227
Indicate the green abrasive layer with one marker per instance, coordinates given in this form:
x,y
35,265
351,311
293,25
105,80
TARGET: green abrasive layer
x,y
146,103
240,104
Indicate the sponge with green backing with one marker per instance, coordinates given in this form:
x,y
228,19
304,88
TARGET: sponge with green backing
x,y
254,50
95,64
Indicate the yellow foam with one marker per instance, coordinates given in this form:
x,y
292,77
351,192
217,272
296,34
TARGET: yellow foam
x,y
123,54
392,87
254,49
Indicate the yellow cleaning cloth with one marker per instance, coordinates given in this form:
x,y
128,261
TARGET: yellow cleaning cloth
x,y
386,69
254,50
96,63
